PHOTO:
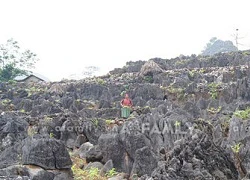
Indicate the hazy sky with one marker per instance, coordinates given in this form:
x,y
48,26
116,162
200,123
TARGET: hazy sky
x,y
69,35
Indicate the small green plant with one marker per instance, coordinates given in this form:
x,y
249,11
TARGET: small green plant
x,y
5,102
100,81
13,82
236,148
213,90
78,101
243,114
22,110
123,93
112,172
180,62
51,135
126,87
214,110
134,177
192,73
148,79
177,123
32,90
93,173
173,90
108,121
47,118
225,126
95,122
78,172
202,70
31,131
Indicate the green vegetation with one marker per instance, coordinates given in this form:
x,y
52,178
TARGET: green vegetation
x,y
108,121
51,135
225,125
236,148
202,70
32,90
12,82
100,81
180,62
192,73
134,177
22,110
90,174
214,110
47,118
95,122
148,79
216,45
173,90
213,90
78,101
178,92
31,131
177,123
243,114
93,173
112,172
246,53
5,102
13,61
123,93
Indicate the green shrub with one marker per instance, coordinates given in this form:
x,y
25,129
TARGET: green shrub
x,y
177,123
22,110
100,81
51,135
93,173
173,90
149,79
236,148
243,114
213,90
108,121
95,122
214,110
112,172
191,73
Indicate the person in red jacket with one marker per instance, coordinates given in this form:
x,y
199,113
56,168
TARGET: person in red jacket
x,y
126,104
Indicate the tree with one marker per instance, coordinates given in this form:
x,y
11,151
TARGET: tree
x,y
14,61
216,45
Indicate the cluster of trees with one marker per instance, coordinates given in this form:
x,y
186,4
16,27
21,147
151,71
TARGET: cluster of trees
x,y
14,61
216,46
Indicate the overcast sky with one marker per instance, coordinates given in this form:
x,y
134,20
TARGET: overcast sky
x,y
69,35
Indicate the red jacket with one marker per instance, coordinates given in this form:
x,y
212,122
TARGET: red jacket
x,y
126,102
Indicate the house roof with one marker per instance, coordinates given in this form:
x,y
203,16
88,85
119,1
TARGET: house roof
x,y
24,77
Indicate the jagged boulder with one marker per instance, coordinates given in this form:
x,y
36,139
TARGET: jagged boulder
x,y
11,156
12,129
112,148
145,162
150,68
196,157
45,152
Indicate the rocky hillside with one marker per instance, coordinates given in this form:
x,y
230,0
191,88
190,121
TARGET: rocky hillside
x,y
72,129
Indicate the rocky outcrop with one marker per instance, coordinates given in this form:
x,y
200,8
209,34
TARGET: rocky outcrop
x,y
197,157
189,120
46,153
150,68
